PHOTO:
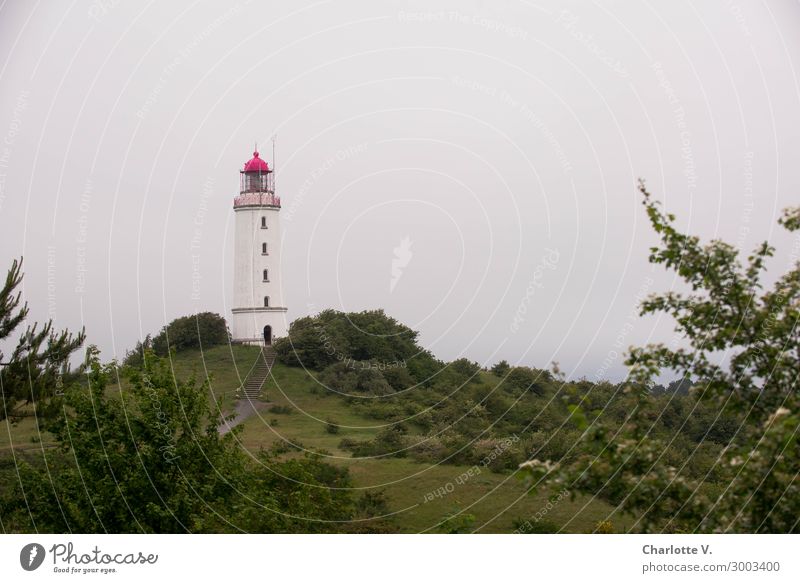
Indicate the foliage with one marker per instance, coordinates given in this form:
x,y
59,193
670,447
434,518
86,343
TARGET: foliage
x,y
726,312
38,367
201,330
372,514
398,377
391,441
332,337
501,368
151,460
349,378
282,410
466,368
523,379
295,495
457,522
135,357
147,461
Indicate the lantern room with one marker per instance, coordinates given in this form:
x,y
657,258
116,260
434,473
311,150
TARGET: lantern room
x,y
256,176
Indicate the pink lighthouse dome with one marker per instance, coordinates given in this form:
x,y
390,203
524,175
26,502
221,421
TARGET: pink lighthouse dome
x,y
256,164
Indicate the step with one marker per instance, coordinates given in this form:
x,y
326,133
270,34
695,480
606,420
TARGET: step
x,y
251,388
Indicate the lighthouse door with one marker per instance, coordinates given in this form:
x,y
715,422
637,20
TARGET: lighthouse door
x,y
267,335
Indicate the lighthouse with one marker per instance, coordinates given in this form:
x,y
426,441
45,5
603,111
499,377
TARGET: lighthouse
x,y
259,315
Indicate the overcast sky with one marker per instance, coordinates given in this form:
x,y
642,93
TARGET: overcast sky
x,y
489,149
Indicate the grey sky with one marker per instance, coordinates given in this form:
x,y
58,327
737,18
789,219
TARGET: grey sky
x,y
488,149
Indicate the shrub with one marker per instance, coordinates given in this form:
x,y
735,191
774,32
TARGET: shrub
x,y
390,441
522,378
372,514
431,450
348,443
501,368
329,337
198,331
726,307
467,369
155,463
135,356
423,367
398,377
356,377
457,522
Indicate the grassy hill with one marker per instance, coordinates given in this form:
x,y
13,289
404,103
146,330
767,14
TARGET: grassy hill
x,y
300,414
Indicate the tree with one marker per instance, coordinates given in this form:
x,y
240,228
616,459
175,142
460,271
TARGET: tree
x,y
135,357
151,460
330,337
38,368
501,368
456,522
359,377
467,368
522,378
201,330
726,312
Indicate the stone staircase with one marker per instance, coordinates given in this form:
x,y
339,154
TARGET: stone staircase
x,y
251,389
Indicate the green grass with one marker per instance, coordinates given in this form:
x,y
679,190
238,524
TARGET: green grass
x,y
312,406
24,435
494,499
224,367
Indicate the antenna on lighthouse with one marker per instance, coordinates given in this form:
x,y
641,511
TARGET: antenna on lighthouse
x,y
274,139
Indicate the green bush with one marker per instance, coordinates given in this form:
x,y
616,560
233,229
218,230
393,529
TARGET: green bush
x,y
156,463
391,441
501,368
398,377
522,379
201,330
281,409
331,337
467,369
349,378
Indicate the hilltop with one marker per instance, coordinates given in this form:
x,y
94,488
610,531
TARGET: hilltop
x,y
301,413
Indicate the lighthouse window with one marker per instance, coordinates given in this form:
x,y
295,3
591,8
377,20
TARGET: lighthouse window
x,y
266,301
263,222
266,275
264,249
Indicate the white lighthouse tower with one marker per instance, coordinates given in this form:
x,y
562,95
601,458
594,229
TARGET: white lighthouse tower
x,y
259,315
